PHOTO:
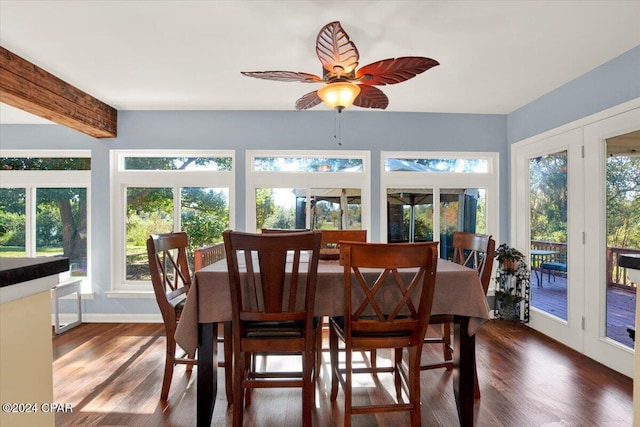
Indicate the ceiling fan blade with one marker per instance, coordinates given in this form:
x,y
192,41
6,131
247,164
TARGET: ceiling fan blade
x,y
371,97
394,70
308,101
283,76
334,49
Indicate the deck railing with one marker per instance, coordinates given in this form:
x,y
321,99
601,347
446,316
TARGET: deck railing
x,y
616,275
206,255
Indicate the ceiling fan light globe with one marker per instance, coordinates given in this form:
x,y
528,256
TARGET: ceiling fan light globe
x,y
339,95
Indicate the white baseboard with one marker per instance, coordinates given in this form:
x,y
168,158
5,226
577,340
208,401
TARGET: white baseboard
x,y
109,318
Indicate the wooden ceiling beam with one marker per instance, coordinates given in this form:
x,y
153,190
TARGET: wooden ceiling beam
x,y
28,87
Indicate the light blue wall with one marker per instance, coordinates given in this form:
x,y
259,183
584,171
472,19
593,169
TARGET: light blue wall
x,y
309,130
611,84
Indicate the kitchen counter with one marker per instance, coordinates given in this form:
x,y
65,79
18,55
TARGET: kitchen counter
x,y
26,354
22,277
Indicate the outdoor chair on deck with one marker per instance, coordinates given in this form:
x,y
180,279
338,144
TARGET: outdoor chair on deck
x,y
272,301
474,251
557,265
387,308
171,280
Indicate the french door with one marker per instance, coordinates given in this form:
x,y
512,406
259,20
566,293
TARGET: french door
x,y
611,156
562,212
548,218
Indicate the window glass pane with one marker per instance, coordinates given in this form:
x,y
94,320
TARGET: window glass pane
x,y
178,163
149,211
204,214
331,208
43,164
334,208
12,222
437,165
460,210
306,164
278,208
409,215
61,225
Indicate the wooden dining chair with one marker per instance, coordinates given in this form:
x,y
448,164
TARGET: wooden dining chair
x,y
202,257
474,251
272,300
384,310
171,280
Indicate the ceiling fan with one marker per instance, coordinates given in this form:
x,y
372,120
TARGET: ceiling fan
x,y
344,85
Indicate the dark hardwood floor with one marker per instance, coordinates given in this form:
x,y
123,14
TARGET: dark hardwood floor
x,y
112,373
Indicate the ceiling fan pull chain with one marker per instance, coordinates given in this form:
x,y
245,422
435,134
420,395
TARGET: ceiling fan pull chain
x,y
337,132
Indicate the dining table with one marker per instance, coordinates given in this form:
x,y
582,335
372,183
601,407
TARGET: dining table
x,y
458,292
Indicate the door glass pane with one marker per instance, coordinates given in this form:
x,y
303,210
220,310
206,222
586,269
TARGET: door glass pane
x,y
12,222
548,228
623,232
409,215
149,211
460,210
61,226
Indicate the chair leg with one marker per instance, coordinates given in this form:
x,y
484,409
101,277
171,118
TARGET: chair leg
x,y
169,363
239,369
318,350
476,385
414,385
446,344
347,387
228,361
333,354
397,362
374,359
308,399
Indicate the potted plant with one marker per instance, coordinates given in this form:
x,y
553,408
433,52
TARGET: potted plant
x,y
509,259
513,282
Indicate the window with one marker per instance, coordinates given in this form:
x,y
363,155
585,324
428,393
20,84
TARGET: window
x,y
315,190
45,206
161,192
430,195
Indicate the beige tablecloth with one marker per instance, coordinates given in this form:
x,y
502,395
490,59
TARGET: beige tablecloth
x,y
458,292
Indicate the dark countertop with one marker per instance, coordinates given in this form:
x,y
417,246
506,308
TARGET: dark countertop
x,y
18,270
629,261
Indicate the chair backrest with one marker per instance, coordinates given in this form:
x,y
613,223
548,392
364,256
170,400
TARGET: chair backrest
x,y
330,238
475,251
265,275
397,297
169,269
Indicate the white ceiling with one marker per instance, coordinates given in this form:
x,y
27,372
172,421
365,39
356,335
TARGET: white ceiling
x,y
495,56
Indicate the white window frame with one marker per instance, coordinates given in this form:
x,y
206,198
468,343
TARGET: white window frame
x,y
121,179
31,180
281,179
490,181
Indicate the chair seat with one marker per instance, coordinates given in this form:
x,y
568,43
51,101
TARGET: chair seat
x,y
179,307
288,329
338,321
558,266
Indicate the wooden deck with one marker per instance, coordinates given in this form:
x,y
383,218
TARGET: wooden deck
x,y
551,297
